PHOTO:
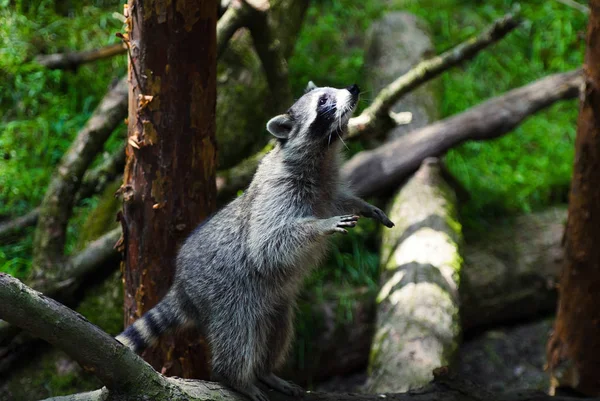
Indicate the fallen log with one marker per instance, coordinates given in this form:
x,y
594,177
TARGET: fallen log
x,y
384,168
72,60
127,376
511,271
418,324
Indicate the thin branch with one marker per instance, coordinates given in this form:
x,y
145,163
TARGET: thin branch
x,y
235,17
271,56
376,117
577,6
56,208
384,168
71,60
18,224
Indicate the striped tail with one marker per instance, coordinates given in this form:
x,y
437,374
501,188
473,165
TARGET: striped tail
x,y
146,330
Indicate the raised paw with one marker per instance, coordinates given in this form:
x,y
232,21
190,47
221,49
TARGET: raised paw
x,y
338,224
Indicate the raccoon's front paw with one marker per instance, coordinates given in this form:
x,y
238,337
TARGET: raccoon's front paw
x,y
338,224
379,215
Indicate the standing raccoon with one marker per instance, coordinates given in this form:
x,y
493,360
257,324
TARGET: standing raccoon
x,y
238,274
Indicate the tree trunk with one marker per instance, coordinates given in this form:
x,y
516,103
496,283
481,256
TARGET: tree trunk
x,y
418,325
574,348
169,181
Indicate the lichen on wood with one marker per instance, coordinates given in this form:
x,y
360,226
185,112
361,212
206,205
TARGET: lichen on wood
x,y
418,326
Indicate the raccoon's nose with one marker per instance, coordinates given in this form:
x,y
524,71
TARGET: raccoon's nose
x,y
354,90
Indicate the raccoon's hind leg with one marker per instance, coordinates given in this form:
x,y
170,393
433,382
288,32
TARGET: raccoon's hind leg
x,y
249,390
239,349
283,386
280,339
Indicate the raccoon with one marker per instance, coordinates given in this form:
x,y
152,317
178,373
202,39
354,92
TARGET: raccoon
x,y
238,273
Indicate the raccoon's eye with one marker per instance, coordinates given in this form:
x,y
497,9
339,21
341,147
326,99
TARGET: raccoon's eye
x,y
322,101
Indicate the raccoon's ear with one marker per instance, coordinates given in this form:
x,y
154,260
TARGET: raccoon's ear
x,y
311,85
280,126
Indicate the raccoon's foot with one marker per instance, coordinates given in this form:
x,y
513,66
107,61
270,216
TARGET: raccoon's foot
x,y
338,224
376,213
252,392
283,386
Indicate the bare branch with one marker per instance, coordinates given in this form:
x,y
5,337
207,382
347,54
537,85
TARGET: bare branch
x,y
71,60
18,224
58,202
271,56
376,117
382,169
577,6
237,15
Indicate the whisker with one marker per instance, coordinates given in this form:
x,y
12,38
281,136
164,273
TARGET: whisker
x,y
339,136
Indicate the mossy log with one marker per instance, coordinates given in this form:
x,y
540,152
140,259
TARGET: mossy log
x,y
418,325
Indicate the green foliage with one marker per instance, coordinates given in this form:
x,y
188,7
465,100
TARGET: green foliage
x,y
329,49
41,110
530,167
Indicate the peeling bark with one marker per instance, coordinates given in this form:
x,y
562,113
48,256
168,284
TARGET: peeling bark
x,y
574,348
169,181
418,326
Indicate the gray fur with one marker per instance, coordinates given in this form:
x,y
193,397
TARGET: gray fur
x,y
238,274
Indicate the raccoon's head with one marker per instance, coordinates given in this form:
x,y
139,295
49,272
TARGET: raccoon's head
x,y
320,116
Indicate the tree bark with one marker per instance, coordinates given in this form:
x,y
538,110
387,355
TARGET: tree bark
x,y
384,168
169,181
574,348
418,326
